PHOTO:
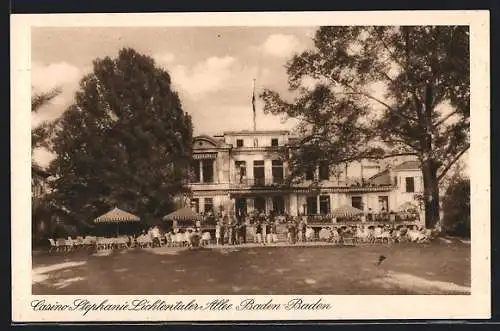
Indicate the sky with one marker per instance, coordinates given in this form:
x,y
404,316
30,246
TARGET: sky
x,y
212,68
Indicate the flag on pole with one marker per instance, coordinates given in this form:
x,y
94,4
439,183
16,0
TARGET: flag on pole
x,y
253,106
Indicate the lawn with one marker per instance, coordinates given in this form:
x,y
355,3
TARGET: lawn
x,y
436,268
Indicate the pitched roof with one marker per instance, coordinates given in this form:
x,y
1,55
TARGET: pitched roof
x,y
407,165
381,178
256,132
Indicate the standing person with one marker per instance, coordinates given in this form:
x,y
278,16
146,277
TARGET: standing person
x,y
234,233
258,232
155,235
264,232
274,232
293,232
300,231
217,233
303,228
269,231
230,230
289,232
244,232
222,233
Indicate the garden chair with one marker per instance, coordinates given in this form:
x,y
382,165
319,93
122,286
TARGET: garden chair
x,y
101,243
348,239
121,243
53,246
79,243
205,238
70,244
90,242
61,244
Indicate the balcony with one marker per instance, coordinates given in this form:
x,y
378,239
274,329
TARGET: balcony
x,y
258,182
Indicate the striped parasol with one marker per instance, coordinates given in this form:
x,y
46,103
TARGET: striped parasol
x,y
117,215
406,207
183,214
346,211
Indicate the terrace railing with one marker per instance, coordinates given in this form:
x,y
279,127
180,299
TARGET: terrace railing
x,y
258,182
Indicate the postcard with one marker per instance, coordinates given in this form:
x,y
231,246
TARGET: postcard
x,y
250,166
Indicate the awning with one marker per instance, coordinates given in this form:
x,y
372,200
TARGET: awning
x,y
205,156
117,215
346,211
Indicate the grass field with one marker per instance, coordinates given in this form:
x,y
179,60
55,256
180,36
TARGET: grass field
x,y
436,268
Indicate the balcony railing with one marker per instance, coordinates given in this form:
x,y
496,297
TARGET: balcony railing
x,y
258,181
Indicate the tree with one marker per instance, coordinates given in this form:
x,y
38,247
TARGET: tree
x,y
39,139
382,91
456,208
40,134
125,142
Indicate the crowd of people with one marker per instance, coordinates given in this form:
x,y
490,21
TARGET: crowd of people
x,y
294,230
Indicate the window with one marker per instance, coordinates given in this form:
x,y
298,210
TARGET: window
x,y
260,204
324,204
208,171
239,142
274,142
324,171
383,203
209,205
241,171
279,205
410,184
195,204
310,173
195,172
277,170
241,206
395,180
312,205
357,202
258,172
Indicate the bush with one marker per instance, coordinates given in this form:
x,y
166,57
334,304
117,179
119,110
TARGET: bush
x,y
456,208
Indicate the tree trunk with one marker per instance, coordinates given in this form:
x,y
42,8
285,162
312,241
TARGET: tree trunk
x,y
431,194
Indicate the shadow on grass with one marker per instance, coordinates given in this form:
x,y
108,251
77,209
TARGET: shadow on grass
x,y
262,270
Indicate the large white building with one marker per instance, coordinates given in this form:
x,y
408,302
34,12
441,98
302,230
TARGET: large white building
x,y
243,171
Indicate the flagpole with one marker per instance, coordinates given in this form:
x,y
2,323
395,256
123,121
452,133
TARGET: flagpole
x,y
253,107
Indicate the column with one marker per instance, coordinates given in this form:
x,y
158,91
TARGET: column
x,y
201,171
268,172
292,205
269,204
317,204
250,205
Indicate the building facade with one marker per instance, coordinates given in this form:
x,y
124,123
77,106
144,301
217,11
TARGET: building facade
x,y
245,171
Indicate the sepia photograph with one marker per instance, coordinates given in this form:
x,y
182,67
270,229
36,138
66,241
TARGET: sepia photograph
x,y
298,160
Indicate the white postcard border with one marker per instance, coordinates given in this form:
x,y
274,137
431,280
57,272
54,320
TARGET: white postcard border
x,y
476,305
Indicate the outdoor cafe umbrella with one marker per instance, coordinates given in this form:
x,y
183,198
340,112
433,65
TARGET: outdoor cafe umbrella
x,y
406,207
407,210
183,214
346,211
117,216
